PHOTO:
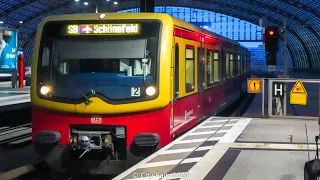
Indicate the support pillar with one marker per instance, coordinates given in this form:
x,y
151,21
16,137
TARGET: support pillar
x,y
147,6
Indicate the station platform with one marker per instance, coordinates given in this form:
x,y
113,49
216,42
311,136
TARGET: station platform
x,y
223,148
12,98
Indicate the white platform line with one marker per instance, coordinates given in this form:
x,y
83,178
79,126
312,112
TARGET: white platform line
x,y
214,139
202,133
14,102
213,126
198,140
161,163
170,162
191,160
216,126
17,92
273,146
191,141
14,97
217,121
204,148
174,151
226,120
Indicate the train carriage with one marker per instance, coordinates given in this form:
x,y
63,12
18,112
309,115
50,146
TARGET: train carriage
x,y
121,85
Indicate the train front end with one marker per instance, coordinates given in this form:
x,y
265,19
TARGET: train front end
x,y
100,89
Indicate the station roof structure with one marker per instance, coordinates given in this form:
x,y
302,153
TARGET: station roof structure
x,y
303,18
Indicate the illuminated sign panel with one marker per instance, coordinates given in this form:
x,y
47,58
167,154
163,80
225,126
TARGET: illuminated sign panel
x,y
103,29
8,49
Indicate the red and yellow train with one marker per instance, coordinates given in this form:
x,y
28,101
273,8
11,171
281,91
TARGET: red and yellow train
x,y
110,86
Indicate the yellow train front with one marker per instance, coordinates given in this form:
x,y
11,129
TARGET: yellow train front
x,y
112,87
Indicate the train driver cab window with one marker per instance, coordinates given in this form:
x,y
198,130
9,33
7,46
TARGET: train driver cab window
x,y
238,65
231,65
190,68
209,68
216,67
45,63
227,65
45,57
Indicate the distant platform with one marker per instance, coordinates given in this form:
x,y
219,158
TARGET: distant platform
x,y
232,148
13,98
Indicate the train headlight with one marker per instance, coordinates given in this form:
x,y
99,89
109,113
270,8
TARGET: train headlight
x,y
44,90
101,16
150,91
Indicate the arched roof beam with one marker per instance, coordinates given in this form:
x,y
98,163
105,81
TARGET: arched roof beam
x,y
284,13
238,8
299,5
17,7
45,11
258,14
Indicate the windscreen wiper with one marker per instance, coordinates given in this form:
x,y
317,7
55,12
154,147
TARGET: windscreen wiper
x,y
88,101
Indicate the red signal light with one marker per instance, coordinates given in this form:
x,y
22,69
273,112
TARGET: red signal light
x,y
271,33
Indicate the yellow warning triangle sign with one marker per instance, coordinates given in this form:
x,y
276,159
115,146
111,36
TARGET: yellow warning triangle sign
x,y
298,87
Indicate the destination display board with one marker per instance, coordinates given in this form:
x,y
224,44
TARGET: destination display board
x,y
102,29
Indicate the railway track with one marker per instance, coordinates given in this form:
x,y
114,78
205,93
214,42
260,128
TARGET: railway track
x,y
12,136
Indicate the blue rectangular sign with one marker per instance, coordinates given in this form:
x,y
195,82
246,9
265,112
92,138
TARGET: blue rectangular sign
x,y
8,50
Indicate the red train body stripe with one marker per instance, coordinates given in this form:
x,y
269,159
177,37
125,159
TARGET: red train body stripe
x,y
195,36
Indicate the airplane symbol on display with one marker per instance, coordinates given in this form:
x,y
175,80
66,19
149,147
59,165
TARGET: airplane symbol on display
x,y
87,29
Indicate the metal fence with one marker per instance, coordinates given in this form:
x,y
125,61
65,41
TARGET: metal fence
x,y
276,71
281,107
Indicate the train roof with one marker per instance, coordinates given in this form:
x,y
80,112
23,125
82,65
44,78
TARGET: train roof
x,y
193,27
176,21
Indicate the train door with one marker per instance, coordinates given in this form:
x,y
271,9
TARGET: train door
x,y
177,116
201,79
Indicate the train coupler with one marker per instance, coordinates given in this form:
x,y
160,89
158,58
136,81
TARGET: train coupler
x,y
92,140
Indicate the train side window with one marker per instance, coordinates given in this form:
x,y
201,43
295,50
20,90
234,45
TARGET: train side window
x,y
216,67
248,63
245,63
227,65
190,69
209,68
242,64
238,65
231,66
176,71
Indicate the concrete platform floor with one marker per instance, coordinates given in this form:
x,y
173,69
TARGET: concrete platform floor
x,y
248,149
268,151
